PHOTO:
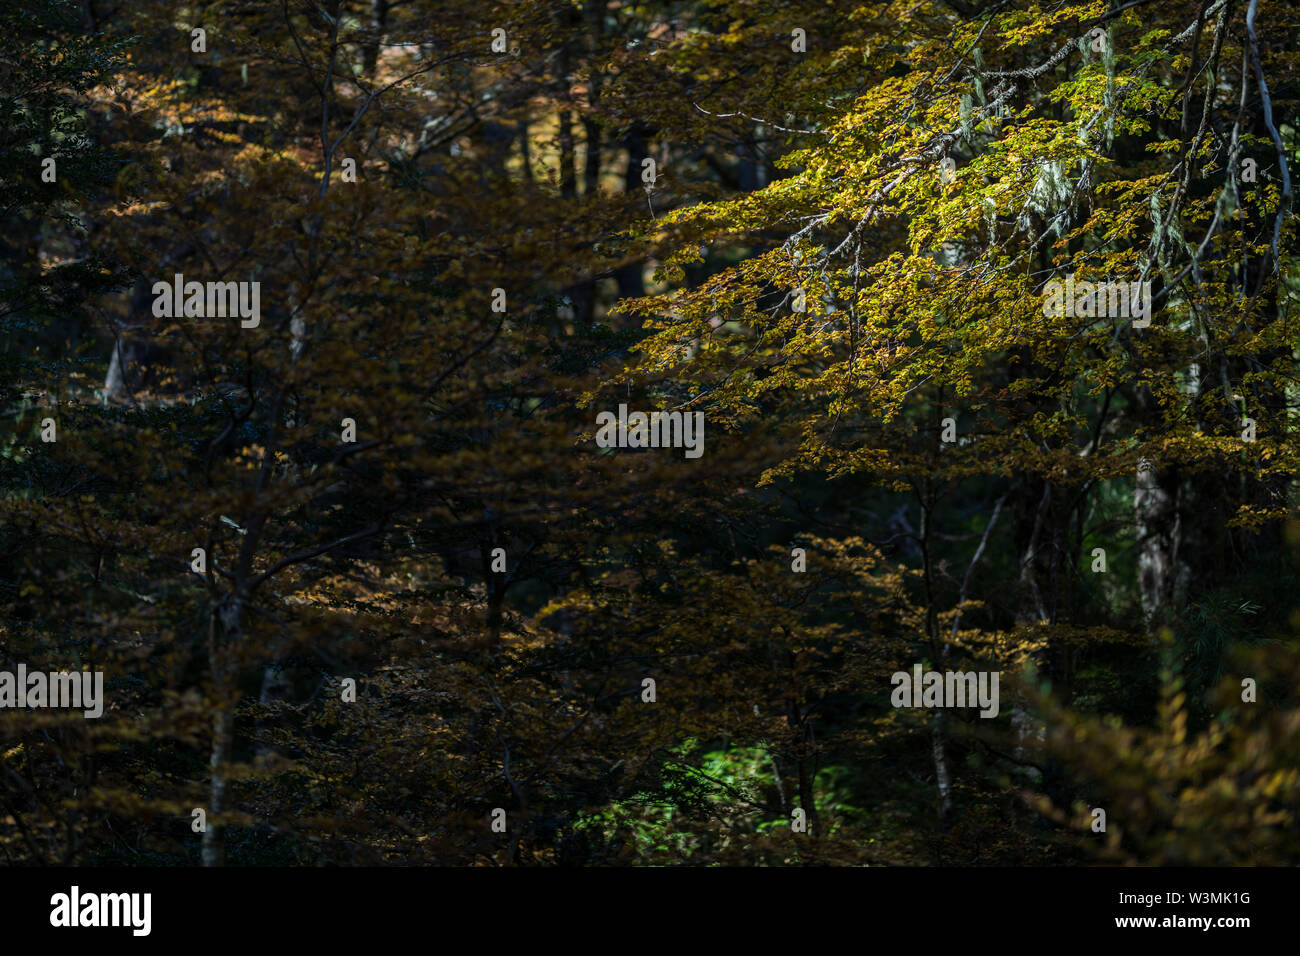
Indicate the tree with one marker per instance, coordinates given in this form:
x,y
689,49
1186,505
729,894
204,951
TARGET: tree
x,y
369,583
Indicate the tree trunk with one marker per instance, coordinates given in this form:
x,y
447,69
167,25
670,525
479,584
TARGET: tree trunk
x,y
224,632
631,278
1034,603
370,49
1158,528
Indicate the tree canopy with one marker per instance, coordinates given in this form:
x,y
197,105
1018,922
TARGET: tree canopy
x,y
966,333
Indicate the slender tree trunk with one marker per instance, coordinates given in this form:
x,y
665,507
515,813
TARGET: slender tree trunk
x,y
524,152
568,176
631,278
378,23
938,648
1033,604
1159,532
224,630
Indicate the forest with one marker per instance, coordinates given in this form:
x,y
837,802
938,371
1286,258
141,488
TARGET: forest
x,y
710,433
